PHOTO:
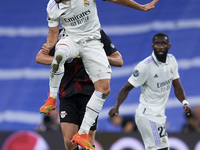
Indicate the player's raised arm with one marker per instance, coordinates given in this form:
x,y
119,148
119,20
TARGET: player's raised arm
x,y
135,5
52,39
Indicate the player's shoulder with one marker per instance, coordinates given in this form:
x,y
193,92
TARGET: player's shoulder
x,y
147,61
171,57
54,10
51,4
143,64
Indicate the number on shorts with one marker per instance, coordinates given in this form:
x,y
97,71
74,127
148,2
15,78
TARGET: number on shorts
x,y
161,131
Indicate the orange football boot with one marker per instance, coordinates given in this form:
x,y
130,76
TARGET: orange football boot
x,y
48,106
83,140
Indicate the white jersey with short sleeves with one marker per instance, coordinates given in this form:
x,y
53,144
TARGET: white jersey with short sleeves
x,y
155,79
78,17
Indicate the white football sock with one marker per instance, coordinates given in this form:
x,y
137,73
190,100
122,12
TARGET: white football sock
x,y
93,109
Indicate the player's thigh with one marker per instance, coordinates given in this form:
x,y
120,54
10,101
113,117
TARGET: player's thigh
x,y
68,130
69,111
153,133
95,61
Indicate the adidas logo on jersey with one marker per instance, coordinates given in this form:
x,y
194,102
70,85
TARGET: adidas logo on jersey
x,y
156,76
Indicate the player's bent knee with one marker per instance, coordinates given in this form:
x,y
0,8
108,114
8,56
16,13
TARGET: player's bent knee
x,y
63,52
103,86
62,49
107,92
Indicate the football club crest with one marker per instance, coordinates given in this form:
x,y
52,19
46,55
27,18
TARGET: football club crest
x,y
63,114
171,71
164,140
86,3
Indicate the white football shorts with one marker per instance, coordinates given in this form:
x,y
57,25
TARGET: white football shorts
x,y
153,133
93,56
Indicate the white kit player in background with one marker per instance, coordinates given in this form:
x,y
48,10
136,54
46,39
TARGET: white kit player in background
x,y
80,21
155,74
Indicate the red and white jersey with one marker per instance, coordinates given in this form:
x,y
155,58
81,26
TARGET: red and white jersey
x,y
78,17
155,79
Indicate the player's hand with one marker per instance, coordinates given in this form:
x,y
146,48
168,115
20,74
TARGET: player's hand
x,y
113,112
46,48
187,110
150,6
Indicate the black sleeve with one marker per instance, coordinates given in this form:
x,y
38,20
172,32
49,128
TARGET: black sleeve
x,y
108,45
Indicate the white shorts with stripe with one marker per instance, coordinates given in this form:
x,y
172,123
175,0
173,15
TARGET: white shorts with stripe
x,y
153,133
93,56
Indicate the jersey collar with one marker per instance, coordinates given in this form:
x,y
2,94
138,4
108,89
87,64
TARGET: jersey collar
x,y
157,62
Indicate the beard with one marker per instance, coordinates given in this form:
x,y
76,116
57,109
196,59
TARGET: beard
x,y
162,57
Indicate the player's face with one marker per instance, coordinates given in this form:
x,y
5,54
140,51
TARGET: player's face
x,y
161,46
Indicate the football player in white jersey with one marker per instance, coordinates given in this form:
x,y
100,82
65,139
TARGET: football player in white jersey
x,y
155,74
82,38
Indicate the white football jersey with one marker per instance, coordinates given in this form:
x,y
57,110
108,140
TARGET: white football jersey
x,y
78,17
155,79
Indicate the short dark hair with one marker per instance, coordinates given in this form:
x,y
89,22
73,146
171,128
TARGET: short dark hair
x,y
160,34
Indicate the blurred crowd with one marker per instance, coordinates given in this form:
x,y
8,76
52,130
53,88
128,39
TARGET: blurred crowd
x,y
193,122
124,123
50,122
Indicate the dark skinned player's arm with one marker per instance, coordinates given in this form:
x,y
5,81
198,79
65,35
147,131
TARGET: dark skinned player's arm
x,y
135,5
178,90
180,94
122,95
115,59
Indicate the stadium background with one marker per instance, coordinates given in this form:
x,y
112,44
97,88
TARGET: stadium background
x,y
24,83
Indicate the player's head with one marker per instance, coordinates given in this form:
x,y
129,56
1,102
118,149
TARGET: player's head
x,y
161,46
58,1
